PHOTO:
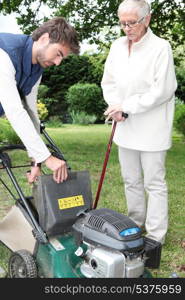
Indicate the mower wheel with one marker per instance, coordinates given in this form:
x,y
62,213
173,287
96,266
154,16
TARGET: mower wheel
x,y
22,265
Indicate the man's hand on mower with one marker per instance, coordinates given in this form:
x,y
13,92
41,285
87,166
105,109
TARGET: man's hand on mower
x,y
58,167
33,174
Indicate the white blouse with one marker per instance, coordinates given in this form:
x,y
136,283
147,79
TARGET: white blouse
x,y
144,82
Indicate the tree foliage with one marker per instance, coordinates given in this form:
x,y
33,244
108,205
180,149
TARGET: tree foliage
x,y
94,19
91,17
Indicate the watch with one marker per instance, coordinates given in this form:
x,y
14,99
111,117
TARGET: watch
x,y
34,164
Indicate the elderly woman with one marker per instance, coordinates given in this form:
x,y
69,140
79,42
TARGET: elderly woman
x,y
139,79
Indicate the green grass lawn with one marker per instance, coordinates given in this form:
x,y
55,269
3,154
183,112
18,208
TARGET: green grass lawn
x,y
84,148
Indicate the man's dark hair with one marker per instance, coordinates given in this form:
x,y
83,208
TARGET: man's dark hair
x,y
59,32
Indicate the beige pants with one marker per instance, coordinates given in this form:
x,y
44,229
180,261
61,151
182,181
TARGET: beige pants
x,y
146,190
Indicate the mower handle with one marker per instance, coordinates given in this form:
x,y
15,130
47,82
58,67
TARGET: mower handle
x,y
56,152
12,147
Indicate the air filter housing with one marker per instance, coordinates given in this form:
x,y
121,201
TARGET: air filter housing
x,y
108,228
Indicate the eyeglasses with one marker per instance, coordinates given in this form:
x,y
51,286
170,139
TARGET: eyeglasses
x,y
131,24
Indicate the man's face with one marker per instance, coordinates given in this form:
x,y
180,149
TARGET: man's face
x,y
137,27
48,54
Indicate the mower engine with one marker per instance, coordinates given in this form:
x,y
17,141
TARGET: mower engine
x,y
114,245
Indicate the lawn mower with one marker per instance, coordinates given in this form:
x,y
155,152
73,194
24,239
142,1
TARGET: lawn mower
x,y
58,231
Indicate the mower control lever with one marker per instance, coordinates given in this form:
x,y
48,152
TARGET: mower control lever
x,y
56,151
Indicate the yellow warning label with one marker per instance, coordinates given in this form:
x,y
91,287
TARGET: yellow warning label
x,y
69,202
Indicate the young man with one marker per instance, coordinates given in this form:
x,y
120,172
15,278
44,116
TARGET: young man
x,y
139,79
23,59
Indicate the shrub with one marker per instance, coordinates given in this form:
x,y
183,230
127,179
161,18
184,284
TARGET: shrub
x,y
180,92
42,91
86,97
58,79
74,69
82,118
54,122
42,110
7,133
47,108
179,119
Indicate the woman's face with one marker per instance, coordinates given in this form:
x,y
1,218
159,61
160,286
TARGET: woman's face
x,y
134,26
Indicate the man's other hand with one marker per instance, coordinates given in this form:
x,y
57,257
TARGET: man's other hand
x,y
33,174
58,167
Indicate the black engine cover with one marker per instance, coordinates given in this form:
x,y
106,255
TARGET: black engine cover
x,y
108,228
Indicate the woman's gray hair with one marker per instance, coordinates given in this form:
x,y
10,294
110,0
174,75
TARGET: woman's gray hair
x,y
141,6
